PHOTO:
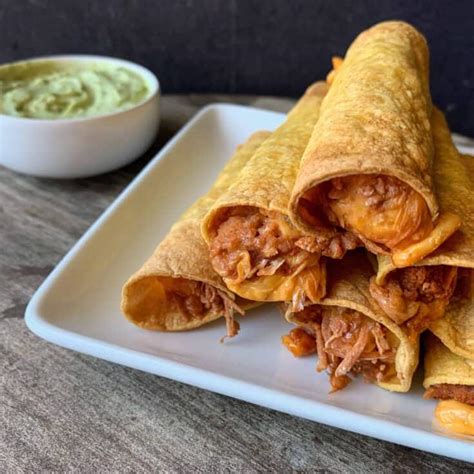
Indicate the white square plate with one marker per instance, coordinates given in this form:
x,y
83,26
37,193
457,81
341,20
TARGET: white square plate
x,y
77,306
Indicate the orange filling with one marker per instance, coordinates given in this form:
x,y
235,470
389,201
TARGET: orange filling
x,y
456,416
263,257
415,296
380,208
386,214
195,299
445,226
346,342
299,342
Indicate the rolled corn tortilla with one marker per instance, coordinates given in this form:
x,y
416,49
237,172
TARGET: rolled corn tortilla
x,y
253,244
449,378
456,328
368,164
418,296
350,334
177,289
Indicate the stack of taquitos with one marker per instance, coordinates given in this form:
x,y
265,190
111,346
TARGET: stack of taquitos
x,y
177,289
377,200
357,167
367,166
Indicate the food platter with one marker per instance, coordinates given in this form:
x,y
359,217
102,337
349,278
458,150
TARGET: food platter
x,y
78,304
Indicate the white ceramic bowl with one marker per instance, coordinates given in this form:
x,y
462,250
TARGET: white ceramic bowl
x,y
78,147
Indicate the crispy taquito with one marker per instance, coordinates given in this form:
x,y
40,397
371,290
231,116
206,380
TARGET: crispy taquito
x,y
177,289
253,245
450,378
418,296
349,332
368,164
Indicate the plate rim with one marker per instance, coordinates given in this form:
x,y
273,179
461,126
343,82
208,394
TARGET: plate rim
x,y
234,387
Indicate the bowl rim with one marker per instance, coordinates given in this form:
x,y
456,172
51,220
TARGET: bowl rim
x,y
150,78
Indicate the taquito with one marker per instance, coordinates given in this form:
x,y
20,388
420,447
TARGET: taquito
x,y
368,164
350,334
253,244
450,378
418,296
177,289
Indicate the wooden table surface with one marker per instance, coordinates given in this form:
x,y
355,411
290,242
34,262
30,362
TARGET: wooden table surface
x,y
63,411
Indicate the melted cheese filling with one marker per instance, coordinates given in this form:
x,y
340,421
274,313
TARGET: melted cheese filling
x,y
445,226
312,281
304,274
381,209
456,416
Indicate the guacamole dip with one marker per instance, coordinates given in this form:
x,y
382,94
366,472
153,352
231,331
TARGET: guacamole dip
x,y
68,89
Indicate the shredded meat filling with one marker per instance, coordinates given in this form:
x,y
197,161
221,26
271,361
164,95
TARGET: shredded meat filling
x,y
196,299
347,342
444,391
329,244
249,242
299,342
416,296
384,212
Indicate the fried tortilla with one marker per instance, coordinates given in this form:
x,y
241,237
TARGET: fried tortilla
x,y
450,378
350,334
368,164
177,289
418,296
253,245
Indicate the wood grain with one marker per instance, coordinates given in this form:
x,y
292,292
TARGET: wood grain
x,y
65,412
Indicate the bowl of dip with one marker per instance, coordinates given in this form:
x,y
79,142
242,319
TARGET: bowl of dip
x,y
75,116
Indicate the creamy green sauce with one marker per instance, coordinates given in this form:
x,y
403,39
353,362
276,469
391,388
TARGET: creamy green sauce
x,y
62,90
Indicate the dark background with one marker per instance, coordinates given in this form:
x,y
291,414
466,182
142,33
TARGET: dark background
x,y
248,46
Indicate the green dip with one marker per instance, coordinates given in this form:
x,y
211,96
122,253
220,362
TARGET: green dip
x,y
68,89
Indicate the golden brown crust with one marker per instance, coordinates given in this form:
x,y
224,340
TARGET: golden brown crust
x,y
443,366
182,254
456,328
454,181
267,180
265,184
375,117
